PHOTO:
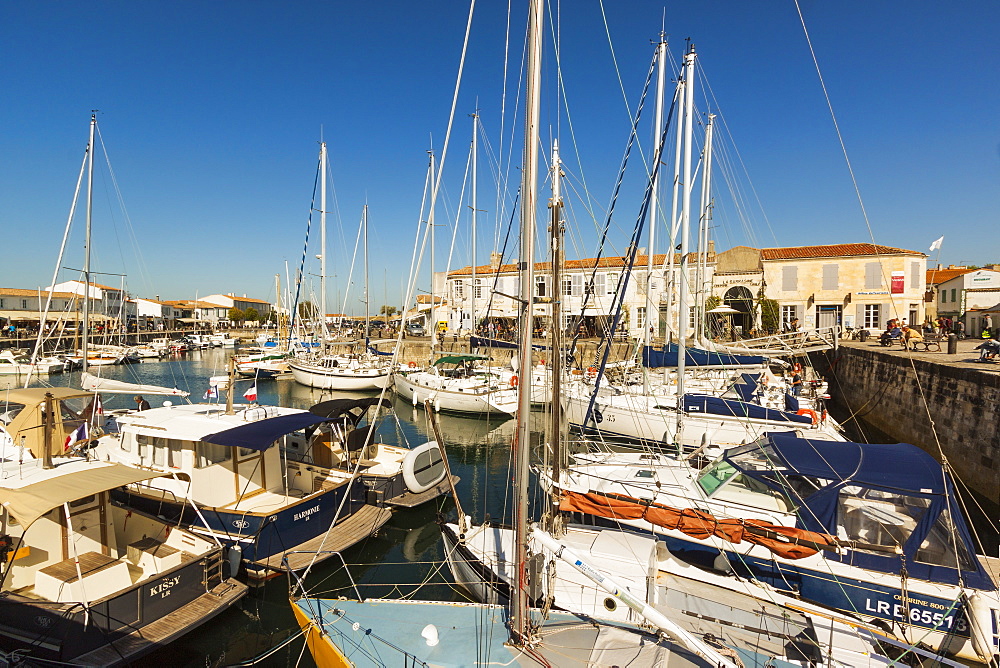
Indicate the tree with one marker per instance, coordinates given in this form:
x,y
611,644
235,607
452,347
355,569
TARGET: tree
x,y
388,311
252,315
236,315
770,314
308,310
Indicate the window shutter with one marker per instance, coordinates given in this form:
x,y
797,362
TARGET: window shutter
x,y
577,288
873,276
831,277
599,283
789,279
915,275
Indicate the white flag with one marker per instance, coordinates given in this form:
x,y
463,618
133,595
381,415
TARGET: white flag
x,y
936,244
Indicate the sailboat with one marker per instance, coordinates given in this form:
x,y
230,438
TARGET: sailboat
x,y
84,580
351,370
381,632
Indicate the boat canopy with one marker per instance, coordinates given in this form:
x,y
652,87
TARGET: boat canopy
x,y
29,502
891,495
335,408
668,355
93,383
262,434
712,405
460,359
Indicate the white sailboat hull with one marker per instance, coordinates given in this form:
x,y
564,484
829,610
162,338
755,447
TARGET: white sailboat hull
x,y
479,397
340,378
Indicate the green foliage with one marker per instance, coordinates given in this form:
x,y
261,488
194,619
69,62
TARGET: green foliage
x,y
388,311
770,314
236,315
252,314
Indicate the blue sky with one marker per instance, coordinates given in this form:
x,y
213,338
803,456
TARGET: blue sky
x,y
211,113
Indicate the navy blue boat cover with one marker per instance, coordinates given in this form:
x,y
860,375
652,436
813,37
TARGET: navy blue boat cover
x,y
262,434
651,357
704,403
892,468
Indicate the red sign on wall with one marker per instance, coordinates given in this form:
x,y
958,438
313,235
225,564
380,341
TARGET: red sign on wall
x,y
898,280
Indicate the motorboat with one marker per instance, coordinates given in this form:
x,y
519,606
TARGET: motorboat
x,y
457,383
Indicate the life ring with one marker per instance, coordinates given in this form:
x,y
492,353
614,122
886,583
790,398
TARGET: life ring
x,y
513,381
423,467
412,365
810,412
591,372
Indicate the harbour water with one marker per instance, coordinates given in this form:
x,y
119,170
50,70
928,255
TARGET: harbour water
x,y
406,551
403,560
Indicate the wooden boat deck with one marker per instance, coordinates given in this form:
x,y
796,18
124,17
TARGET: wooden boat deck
x,y
410,500
160,632
344,534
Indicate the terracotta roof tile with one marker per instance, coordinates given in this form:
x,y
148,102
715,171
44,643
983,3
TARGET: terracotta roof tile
x,y
18,292
939,276
833,250
615,262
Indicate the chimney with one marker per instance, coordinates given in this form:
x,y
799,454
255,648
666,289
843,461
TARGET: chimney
x,y
495,259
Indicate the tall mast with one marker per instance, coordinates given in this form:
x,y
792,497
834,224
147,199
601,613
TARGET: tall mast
x,y
86,243
682,324
475,132
556,360
529,192
433,311
364,225
322,238
652,305
705,216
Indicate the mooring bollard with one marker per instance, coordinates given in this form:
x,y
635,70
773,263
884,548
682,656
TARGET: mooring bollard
x,y
952,344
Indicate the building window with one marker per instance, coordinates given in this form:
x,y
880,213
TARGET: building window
x,y
567,286
611,283
915,275
872,316
789,279
456,289
24,303
831,276
640,317
477,291
1,303
540,283
788,313
953,295
944,296
873,276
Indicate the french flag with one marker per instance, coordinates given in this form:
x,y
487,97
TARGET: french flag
x,y
79,434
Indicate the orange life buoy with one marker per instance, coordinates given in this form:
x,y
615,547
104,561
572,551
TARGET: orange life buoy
x,y
810,412
513,381
591,372
412,365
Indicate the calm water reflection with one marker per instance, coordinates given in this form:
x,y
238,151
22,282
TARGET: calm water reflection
x,y
406,551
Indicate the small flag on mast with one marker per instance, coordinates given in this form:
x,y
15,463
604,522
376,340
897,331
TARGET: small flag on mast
x,y
79,434
936,244
212,393
251,394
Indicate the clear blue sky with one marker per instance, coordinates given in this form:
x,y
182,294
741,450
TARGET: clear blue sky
x,y
211,113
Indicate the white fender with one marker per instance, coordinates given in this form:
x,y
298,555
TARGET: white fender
x,y
980,616
423,467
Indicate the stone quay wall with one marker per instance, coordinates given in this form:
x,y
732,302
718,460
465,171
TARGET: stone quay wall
x,y
903,396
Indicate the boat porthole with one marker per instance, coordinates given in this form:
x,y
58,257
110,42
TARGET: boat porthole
x,y
610,604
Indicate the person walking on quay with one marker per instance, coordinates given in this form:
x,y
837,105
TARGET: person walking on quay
x,y
988,326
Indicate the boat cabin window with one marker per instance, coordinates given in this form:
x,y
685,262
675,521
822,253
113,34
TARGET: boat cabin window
x,y
879,519
211,453
81,502
9,411
939,546
713,477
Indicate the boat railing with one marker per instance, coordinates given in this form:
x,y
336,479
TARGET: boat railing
x,y
296,583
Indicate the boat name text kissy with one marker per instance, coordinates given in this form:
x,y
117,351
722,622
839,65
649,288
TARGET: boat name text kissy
x,y
163,589
305,514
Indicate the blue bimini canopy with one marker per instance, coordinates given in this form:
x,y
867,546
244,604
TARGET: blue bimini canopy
x,y
707,404
840,488
262,434
651,357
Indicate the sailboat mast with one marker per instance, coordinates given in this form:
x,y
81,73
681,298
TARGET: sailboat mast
x,y
364,224
705,216
556,361
322,238
433,311
654,201
682,296
475,133
86,243
529,193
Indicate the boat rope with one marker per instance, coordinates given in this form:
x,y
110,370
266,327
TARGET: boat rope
x,y
270,652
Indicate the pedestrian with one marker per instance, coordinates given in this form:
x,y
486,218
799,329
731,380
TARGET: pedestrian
x,y
988,326
797,381
960,329
140,403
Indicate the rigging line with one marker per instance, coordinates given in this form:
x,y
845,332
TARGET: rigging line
x,y
614,198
